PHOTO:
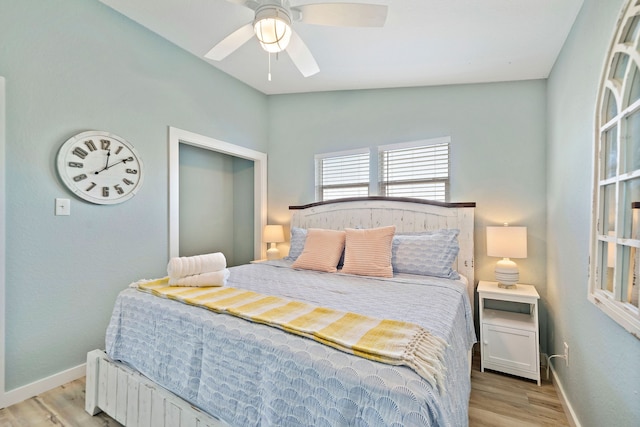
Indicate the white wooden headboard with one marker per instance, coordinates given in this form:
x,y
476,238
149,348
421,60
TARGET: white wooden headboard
x,y
408,215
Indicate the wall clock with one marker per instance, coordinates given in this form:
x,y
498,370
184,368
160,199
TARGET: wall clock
x,y
100,167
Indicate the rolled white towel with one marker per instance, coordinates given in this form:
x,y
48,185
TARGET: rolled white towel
x,y
213,278
188,266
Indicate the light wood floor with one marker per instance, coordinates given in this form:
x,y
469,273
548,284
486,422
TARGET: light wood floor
x,y
497,400
62,406
500,400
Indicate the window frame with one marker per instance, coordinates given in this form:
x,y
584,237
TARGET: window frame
x,y
614,269
319,185
384,184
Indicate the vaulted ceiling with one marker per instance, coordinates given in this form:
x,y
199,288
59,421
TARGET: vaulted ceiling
x,y
422,43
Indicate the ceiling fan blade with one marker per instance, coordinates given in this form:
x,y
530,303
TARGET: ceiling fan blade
x,y
343,14
301,56
230,43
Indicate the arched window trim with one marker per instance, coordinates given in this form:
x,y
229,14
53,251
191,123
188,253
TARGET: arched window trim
x,y
614,271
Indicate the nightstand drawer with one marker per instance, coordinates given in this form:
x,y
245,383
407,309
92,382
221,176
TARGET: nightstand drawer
x,y
509,350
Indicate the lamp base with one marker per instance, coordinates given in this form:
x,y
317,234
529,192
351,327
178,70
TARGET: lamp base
x,y
273,252
507,274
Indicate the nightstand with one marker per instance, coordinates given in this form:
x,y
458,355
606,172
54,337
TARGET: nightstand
x,y
510,341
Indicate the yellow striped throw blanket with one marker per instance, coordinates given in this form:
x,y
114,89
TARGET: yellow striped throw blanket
x,y
388,341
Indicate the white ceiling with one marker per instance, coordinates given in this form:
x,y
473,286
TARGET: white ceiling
x,y
423,42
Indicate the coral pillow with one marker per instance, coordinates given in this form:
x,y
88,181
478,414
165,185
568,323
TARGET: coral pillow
x,y
368,251
322,250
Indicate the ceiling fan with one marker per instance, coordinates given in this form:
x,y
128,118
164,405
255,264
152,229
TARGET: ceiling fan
x,y
272,26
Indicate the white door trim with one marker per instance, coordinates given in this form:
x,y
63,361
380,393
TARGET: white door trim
x,y
3,239
177,136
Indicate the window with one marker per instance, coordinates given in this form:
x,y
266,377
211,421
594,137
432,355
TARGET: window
x,y
417,169
343,174
615,243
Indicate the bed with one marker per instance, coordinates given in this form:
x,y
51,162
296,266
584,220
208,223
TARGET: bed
x,y
190,366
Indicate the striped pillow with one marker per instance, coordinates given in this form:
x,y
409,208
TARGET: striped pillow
x,y
368,251
322,250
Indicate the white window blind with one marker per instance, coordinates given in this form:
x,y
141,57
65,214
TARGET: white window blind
x,y
417,169
340,175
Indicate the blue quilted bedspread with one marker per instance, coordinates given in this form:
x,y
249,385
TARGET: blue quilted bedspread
x,y
249,374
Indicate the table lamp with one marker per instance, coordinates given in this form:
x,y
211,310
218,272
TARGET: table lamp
x,y
273,234
507,242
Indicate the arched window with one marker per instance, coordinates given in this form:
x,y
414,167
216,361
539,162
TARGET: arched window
x,y
615,243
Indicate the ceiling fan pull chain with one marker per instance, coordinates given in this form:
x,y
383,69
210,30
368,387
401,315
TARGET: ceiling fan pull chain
x,y
269,72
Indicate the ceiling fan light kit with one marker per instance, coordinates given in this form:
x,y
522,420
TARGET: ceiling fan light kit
x,y
272,26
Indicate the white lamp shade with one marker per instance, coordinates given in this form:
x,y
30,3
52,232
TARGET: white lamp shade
x,y
507,242
273,234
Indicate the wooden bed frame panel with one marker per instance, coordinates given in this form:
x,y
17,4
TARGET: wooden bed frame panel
x,y
135,401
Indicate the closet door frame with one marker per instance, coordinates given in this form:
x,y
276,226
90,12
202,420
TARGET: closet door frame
x,y
179,136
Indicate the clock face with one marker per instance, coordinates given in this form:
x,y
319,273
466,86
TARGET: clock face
x,y
100,167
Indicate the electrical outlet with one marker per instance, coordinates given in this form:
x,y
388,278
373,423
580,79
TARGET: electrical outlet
x,y
566,354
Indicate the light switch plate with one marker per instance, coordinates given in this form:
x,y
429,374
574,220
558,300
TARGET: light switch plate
x,y
63,207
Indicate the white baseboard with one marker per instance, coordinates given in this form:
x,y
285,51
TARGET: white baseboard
x,y
566,404
28,391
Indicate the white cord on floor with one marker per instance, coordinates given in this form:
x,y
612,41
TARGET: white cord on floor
x,y
549,361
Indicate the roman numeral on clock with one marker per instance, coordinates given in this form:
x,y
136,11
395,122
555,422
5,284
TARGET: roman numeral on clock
x,y
90,145
80,152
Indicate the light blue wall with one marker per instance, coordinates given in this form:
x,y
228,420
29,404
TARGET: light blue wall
x,y
243,210
603,377
75,65
215,191
497,150
216,204
206,202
